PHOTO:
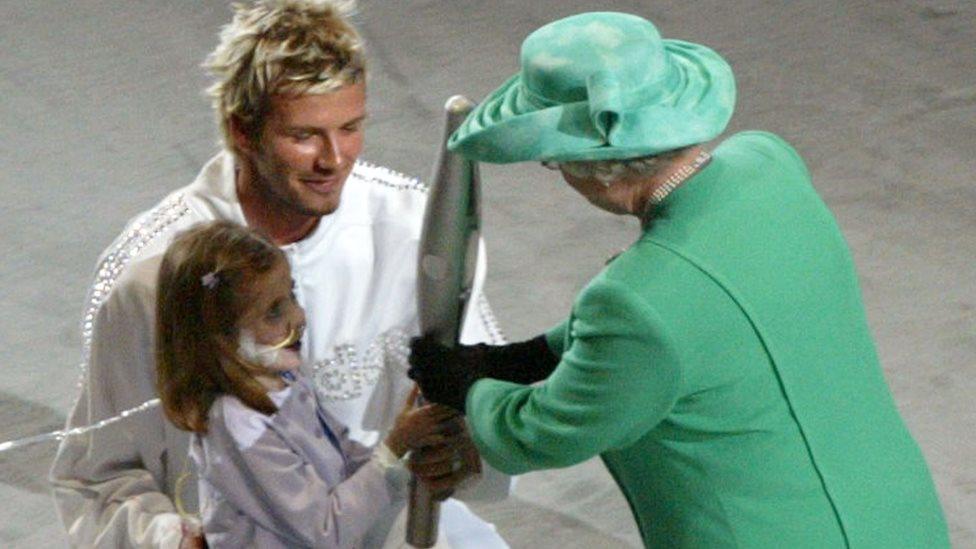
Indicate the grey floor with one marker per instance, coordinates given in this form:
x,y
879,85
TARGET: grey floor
x,y
102,114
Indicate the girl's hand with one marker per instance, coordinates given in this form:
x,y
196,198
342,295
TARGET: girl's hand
x,y
418,427
193,542
445,465
442,453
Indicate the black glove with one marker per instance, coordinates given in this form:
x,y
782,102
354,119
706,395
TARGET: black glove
x,y
446,374
524,362
443,374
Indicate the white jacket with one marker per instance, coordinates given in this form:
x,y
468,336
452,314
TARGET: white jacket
x,y
355,275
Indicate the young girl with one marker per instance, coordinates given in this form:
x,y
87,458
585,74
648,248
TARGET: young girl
x,y
275,470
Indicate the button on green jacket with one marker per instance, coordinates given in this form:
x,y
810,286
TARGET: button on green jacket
x,y
723,369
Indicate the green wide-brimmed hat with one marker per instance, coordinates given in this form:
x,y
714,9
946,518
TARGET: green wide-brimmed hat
x,y
599,86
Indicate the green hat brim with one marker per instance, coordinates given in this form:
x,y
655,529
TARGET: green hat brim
x,y
508,126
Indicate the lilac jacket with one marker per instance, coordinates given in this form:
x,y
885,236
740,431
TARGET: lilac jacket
x,y
283,481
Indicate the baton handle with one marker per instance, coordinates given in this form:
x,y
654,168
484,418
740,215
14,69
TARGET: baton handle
x,y
423,514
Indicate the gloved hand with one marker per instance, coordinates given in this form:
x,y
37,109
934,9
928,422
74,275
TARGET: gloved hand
x,y
446,374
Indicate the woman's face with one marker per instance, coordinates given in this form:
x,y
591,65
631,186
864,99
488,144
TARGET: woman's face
x,y
616,198
274,317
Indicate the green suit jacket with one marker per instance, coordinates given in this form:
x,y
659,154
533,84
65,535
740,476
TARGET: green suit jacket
x,y
723,369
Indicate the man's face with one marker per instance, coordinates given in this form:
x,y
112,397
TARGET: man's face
x,y
307,148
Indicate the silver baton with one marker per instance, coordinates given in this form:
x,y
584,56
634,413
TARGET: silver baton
x,y
448,256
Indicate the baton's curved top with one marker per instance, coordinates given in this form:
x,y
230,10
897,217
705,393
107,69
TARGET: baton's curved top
x,y
458,104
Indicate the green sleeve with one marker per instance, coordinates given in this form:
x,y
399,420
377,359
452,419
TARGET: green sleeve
x,y
618,378
556,337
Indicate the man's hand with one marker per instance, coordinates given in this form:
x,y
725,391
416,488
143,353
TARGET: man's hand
x,y
445,375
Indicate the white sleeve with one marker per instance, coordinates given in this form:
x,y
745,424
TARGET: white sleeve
x,y
480,326
107,483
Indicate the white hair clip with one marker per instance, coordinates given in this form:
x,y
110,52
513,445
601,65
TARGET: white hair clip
x,y
210,280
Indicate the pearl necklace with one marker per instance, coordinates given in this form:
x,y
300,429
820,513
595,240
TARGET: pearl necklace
x,y
677,178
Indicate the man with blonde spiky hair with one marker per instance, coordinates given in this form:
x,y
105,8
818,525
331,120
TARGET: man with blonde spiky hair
x,y
290,98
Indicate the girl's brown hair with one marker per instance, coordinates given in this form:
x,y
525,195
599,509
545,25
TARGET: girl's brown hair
x,y
202,293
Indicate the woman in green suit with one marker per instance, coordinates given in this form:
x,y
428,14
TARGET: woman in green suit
x,y
722,366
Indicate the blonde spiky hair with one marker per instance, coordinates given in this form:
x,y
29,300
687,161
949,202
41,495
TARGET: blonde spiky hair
x,y
289,47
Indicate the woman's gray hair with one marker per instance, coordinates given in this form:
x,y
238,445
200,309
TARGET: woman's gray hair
x,y
608,171
291,47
